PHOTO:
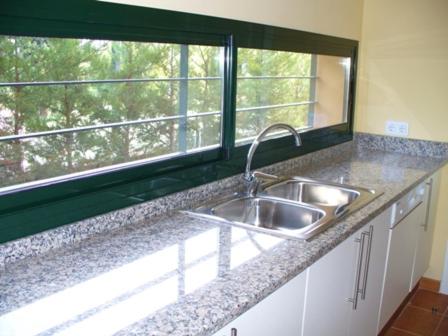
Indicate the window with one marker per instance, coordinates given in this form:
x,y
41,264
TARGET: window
x,y
80,105
104,105
307,91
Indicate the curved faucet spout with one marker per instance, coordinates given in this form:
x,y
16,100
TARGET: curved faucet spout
x,y
247,174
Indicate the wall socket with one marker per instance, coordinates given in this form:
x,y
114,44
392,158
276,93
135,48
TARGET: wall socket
x,y
397,128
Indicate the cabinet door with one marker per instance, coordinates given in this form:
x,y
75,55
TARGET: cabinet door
x,y
278,314
400,260
364,320
425,229
329,286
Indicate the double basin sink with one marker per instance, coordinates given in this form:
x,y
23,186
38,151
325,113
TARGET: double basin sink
x,y
292,207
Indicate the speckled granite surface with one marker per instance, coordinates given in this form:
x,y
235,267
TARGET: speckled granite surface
x,y
76,232
402,145
182,276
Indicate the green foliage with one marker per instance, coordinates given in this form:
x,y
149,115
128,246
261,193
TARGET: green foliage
x,y
253,92
28,109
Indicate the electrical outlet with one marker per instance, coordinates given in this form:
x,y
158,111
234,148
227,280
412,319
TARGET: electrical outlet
x,y
397,128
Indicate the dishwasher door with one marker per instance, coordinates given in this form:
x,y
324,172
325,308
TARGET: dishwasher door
x,y
399,265
425,231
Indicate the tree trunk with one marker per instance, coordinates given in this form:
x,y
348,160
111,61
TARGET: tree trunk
x,y
205,97
172,99
68,136
18,117
130,109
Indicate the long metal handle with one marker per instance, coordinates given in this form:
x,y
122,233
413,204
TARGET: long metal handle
x,y
233,332
428,205
368,234
354,300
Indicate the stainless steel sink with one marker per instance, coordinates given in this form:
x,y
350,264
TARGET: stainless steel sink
x,y
342,198
290,207
268,213
313,193
279,217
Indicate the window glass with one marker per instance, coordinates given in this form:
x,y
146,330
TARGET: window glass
x,y
75,105
304,90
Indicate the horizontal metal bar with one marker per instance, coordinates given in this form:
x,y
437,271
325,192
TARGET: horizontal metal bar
x,y
109,125
107,81
141,121
140,80
267,107
96,171
278,77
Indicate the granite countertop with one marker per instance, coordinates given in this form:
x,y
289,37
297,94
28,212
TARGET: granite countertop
x,y
183,276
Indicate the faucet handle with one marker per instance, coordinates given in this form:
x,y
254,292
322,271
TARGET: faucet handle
x,y
253,182
263,176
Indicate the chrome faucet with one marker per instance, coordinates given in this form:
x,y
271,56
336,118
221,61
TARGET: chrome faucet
x,y
250,177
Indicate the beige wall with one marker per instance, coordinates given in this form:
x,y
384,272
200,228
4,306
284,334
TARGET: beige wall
x,y
404,67
404,76
330,83
332,17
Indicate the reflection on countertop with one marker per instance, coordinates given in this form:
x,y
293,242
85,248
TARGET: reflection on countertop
x,y
119,294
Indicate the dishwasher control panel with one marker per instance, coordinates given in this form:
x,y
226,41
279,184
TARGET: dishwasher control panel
x,y
407,203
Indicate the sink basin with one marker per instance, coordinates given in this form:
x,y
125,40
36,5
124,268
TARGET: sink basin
x,y
338,199
313,193
267,215
292,207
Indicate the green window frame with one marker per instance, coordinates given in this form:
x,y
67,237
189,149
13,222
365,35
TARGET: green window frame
x,y
32,210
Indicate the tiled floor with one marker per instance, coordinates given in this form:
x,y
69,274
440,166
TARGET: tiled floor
x,y
426,314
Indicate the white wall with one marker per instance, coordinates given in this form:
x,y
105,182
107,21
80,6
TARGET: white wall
x,y
340,18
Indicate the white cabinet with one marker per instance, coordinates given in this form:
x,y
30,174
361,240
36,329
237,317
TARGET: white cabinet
x,y
330,284
409,245
344,287
402,242
364,320
278,314
425,228
355,288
